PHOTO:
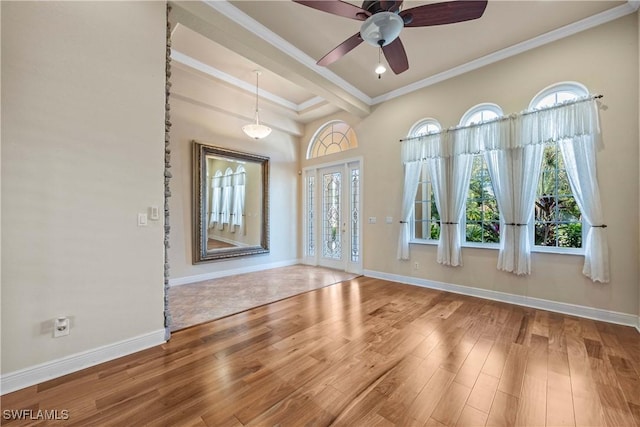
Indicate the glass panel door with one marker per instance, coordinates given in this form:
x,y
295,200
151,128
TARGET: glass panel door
x,y
333,229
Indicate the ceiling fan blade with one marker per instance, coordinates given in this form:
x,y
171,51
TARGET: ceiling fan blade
x,y
342,49
391,6
443,13
337,7
396,56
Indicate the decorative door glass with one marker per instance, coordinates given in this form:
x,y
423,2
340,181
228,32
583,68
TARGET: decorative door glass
x,y
331,221
311,206
355,215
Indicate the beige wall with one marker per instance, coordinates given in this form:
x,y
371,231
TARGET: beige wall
x,y
82,154
605,59
195,117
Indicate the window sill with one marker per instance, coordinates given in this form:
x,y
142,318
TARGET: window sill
x,y
558,251
423,242
493,246
496,246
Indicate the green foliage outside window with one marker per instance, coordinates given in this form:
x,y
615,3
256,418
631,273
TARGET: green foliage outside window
x,y
483,217
558,221
427,218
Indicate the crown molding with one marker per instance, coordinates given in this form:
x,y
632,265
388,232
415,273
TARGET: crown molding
x,y
310,103
227,78
253,26
551,36
241,84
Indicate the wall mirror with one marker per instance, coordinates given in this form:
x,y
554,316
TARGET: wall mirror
x,y
230,203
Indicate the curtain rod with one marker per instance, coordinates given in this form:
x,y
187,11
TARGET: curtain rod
x,y
231,174
498,119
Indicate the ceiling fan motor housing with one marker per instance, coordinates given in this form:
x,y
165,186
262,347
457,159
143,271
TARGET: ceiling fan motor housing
x,y
381,28
373,6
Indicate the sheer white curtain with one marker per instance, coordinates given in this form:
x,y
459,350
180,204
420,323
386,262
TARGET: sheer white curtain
x,y
411,180
514,171
450,175
225,199
513,147
575,127
216,193
514,174
237,208
579,155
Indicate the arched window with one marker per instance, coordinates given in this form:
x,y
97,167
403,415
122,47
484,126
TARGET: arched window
x,y
558,221
332,137
424,127
426,220
481,113
482,219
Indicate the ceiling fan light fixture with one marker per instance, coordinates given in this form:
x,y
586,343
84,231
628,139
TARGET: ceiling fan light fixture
x,y
256,130
381,28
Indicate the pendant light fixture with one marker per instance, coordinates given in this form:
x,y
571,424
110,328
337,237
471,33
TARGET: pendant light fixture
x,y
256,130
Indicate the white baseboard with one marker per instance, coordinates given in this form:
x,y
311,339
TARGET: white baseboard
x,y
558,307
224,273
17,380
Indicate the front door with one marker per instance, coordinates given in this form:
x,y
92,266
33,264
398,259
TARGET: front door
x,y
334,211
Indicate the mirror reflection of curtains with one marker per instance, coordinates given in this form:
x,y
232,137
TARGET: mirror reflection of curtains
x,y
230,203
226,199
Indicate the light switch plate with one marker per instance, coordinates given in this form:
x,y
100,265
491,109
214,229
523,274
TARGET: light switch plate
x,y
388,220
372,220
154,213
142,220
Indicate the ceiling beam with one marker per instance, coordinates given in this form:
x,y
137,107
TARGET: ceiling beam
x,y
205,20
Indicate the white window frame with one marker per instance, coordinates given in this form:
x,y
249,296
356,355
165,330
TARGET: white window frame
x,y
579,90
414,132
466,121
314,139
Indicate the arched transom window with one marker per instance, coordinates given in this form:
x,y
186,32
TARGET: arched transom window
x,y
332,137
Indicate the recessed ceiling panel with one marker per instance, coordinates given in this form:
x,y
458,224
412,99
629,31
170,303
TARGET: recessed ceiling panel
x,y
200,48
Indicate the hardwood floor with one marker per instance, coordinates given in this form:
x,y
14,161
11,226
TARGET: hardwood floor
x,y
364,352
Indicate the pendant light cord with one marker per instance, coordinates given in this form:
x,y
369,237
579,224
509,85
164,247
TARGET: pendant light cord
x,y
257,84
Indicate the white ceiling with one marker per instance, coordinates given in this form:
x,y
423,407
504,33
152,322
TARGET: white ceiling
x,y
226,41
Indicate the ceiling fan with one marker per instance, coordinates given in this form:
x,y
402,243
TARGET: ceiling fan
x,y
383,21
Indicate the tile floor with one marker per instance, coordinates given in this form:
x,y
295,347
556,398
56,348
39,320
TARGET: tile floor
x,y
201,302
